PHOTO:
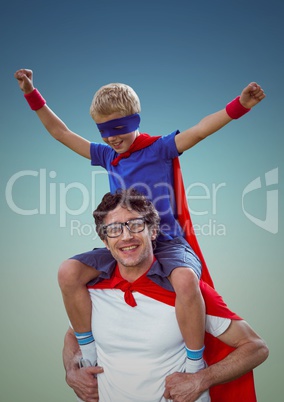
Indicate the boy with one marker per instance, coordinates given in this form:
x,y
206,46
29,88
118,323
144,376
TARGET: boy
x,y
115,109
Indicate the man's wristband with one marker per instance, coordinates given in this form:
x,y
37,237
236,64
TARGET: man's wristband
x,y
35,100
235,109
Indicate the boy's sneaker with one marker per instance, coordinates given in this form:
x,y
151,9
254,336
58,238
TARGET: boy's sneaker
x,y
83,363
193,367
205,397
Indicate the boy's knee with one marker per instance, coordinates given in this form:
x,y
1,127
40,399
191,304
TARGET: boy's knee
x,y
73,274
185,282
68,273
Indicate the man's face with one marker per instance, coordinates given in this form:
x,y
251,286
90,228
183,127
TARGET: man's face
x,y
130,249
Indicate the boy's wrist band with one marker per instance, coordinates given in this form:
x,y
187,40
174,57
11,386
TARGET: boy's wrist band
x,y
235,109
35,100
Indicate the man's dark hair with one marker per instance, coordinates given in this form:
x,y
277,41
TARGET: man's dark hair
x,y
130,199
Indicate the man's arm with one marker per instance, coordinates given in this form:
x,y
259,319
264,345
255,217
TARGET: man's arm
x,y
81,380
53,124
250,352
250,96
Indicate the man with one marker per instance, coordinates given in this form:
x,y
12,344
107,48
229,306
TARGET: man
x,y
139,344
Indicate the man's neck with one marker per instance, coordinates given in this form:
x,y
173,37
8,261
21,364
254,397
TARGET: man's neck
x,y
131,274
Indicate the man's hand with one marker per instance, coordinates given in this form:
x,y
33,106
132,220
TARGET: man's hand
x,y
84,383
252,95
183,387
25,80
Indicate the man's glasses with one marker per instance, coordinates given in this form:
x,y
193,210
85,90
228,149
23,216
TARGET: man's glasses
x,y
133,225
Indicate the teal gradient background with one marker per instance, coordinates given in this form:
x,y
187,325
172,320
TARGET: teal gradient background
x,y
185,59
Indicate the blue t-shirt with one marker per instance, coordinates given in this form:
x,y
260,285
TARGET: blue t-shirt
x,y
149,171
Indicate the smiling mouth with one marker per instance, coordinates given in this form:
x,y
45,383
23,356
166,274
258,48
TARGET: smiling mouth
x,y
128,248
116,144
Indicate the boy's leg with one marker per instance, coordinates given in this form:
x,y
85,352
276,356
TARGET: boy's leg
x,y
73,277
190,311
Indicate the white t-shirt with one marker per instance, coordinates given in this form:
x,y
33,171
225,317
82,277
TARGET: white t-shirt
x,y
138,346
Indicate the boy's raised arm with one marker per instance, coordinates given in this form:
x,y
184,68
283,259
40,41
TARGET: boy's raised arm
x,y
250,96
54,125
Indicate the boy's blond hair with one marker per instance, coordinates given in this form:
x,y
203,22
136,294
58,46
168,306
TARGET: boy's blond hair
x,y
115,98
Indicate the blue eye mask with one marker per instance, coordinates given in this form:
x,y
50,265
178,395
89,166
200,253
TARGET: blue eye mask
x,y
124,125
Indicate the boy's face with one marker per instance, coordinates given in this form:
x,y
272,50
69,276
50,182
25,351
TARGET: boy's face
x,y
120,143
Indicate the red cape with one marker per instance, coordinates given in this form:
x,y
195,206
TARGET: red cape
x,y
242,389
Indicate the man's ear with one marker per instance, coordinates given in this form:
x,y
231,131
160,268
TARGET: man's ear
x,y
154,233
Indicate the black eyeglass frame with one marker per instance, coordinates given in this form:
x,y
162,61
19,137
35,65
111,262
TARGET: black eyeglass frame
x,y
126,224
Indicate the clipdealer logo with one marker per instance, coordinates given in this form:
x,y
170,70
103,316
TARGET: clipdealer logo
x,y
52,199
270,222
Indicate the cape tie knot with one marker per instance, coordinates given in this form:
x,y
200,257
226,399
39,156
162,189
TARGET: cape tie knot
x,y
127,288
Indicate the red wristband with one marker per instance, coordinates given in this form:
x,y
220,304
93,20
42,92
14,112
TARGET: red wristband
x,y
235,109
35,100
